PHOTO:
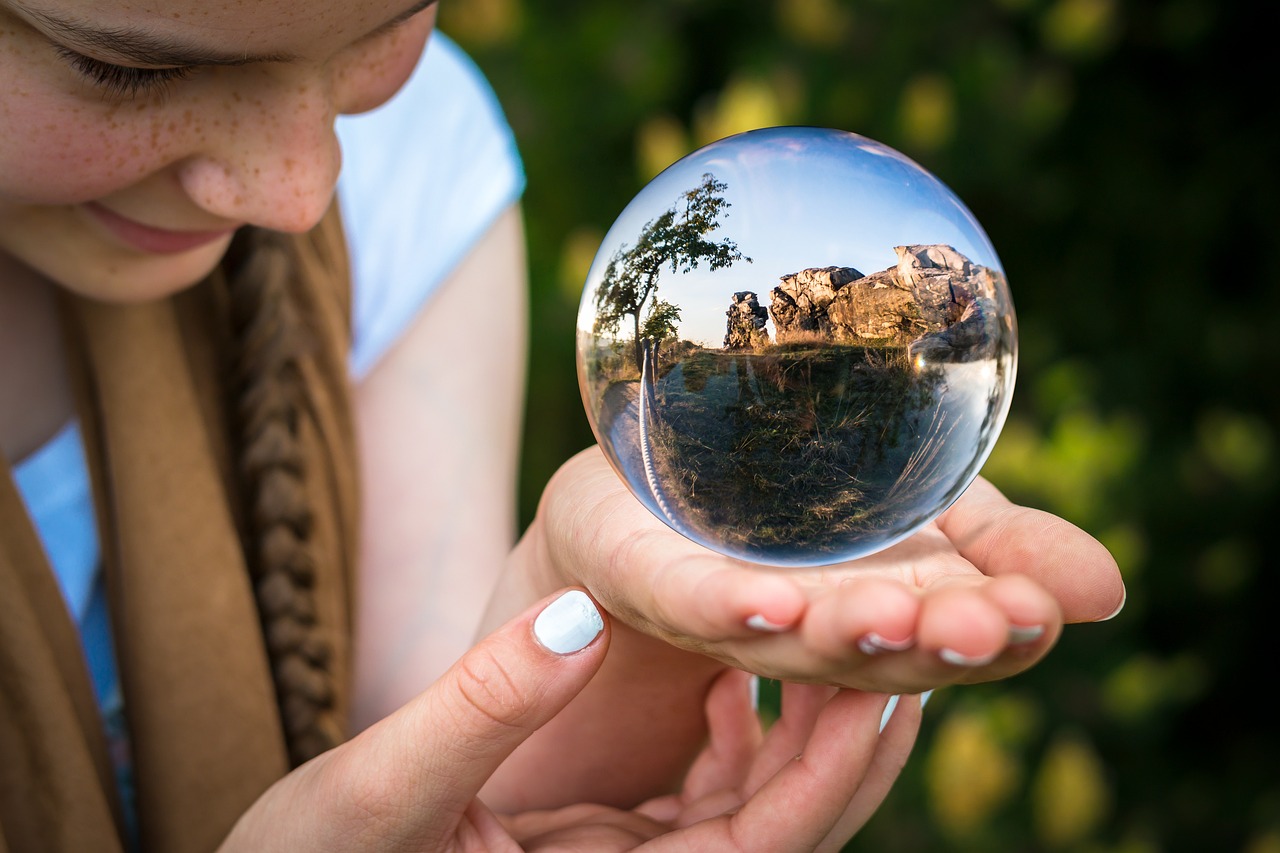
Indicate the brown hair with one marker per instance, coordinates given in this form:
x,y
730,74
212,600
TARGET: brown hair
x,y
263,271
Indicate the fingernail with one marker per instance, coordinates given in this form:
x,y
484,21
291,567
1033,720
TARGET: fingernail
x,y
753,687
955,658
569,623
1021,634
1116,612
759,623
893,704
888,711
874,644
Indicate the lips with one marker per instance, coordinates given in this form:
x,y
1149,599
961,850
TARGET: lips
x,y
148,238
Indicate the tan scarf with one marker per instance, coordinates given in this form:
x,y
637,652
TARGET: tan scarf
x,y
204,725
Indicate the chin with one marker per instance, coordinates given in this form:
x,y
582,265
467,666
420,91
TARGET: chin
x,y
132,277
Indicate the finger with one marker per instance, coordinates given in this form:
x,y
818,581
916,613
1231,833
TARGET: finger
x,y
432,756
807,798
584,828
887,636
862,618
801,706
1000,537
973,628
480,829
734,737
1033,625
961,626
892,750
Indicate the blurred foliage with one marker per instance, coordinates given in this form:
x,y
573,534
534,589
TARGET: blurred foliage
x,y
1120,164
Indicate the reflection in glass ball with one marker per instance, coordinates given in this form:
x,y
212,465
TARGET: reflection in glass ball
x,y
796,346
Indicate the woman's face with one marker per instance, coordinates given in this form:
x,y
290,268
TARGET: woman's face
x,y
137,135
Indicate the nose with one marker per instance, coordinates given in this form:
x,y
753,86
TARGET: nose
x,y
272,160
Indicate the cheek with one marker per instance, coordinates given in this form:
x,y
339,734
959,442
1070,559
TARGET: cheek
x,y
66,151
368,77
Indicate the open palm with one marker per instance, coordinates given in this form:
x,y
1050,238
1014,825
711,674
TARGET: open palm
x,y
981,593
808,784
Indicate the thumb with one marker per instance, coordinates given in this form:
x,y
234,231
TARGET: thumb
x,y
435,753
507,687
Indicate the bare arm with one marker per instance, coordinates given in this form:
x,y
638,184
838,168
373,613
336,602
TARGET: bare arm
x,y
439,425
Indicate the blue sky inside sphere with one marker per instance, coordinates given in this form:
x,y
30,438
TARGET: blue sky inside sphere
x,y
800,197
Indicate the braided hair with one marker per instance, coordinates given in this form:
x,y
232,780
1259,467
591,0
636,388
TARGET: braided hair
x,y
268,402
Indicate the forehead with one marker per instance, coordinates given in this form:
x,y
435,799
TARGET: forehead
x,y
270,26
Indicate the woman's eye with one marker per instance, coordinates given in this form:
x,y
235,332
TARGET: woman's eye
x,y
122,81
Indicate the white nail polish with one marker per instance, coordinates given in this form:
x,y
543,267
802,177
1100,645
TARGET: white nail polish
x,y
759,623
874,644
1019,634
1116,612
955,658
888,711
569,623
753,687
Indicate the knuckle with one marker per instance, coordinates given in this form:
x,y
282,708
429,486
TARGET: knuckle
x,y
489,693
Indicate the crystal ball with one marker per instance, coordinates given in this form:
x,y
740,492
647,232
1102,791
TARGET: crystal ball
x,y
796,346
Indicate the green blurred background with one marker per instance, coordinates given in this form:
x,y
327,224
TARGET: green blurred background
x,y
1118,157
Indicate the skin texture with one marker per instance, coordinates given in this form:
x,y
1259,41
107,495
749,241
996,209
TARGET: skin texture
x,y
681,614
225,146
409,782
549,742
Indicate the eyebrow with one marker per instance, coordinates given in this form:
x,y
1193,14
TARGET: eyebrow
x,y
148,48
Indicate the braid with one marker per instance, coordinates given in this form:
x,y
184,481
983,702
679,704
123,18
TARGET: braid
x,y
268,401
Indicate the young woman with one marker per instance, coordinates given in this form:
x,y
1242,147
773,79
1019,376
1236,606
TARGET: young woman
x,y
257,484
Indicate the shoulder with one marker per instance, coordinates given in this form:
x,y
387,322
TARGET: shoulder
x,y
424,176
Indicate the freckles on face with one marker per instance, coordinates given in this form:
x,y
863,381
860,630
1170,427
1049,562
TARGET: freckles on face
x,y
373,76
60,150
262,127
55,149
277,166
65,142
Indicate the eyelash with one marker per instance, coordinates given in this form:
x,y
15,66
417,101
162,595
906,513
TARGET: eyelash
x,y
127,82
122,81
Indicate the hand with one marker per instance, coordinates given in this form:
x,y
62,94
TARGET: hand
x,y
410,781
982,593
809,784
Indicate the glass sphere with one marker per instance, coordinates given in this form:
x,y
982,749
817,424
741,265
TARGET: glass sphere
x,y
796,346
